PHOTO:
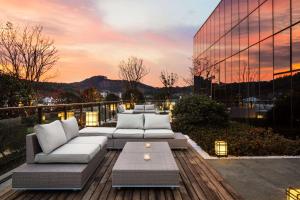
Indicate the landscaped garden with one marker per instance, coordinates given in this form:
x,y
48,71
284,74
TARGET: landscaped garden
x,y
206,121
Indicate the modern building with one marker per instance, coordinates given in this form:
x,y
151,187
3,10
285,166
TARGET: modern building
x,y
247,55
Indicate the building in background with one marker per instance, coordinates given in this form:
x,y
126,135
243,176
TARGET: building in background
x,y
248,56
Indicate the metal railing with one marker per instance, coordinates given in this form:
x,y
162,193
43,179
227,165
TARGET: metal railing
x,y
17,122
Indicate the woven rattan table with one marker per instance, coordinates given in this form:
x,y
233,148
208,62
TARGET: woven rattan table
x,y
132,170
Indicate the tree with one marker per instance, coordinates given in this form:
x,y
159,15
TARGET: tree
x,y
112,97
168,80
91,95
26,54
132,71
70,97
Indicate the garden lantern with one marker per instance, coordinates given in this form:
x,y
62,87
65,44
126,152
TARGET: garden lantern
x,y
127,106
221,148
293,194
91,119
61,115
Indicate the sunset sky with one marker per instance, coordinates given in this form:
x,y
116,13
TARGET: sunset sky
x,y
93,36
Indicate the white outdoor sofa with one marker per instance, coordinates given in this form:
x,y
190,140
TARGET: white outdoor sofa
x,y
57,158
138,128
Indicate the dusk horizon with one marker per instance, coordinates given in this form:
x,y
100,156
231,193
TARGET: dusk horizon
x,y
93,37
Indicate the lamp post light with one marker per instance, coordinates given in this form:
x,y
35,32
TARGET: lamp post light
x,y
91,119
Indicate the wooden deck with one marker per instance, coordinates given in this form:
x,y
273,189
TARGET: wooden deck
x,y
198,181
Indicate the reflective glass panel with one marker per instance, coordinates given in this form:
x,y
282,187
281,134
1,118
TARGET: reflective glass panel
x,y
228,71
222,19
281,14
266,60
253,73
295,11
222,72
227,15
296,47
244,34
236,68
243,4
235,40
253,4
282,52
244,66
266,21
253,27
235,12
228,44
222,48
217,24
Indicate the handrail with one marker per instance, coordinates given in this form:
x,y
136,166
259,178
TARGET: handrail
x,y
61,105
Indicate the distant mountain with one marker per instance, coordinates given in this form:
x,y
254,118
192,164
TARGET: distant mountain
x,y
102,83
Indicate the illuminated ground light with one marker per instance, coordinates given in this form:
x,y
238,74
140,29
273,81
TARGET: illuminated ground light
x,y
221,148
293,194
91,119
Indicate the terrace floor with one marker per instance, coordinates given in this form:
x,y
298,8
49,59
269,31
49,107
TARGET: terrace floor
x,y
198,181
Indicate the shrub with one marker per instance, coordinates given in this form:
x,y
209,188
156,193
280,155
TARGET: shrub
x,y
245,140
199,111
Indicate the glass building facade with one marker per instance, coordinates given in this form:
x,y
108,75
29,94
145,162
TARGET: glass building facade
x,y
247,55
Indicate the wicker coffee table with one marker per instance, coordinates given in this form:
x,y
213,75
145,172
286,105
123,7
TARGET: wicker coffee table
x,y
132,170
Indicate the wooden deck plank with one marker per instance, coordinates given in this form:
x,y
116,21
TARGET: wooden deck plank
x,y
198,180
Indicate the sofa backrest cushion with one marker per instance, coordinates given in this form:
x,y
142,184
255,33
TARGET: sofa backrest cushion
x,y
121,108
139,107
149,107
130,121
50,136
155,121
71,128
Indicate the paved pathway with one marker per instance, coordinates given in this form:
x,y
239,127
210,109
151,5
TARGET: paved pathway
x,y
260,179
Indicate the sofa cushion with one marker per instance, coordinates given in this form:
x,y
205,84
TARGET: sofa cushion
x,y
69,153
149,107
139,107
149,111
71,128
134,121
128,133
157,122
50,136
97,131
100,140
159,133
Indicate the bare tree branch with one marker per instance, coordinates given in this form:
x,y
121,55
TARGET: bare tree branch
x,y
133,71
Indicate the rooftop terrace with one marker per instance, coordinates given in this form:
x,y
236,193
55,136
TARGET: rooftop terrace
x,y
198,180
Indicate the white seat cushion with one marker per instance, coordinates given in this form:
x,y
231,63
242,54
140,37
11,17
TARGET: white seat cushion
x,y
156,121
134,121
50,136
149,107
100,140
69,153
139,107
71,128
97,131
128,133
128,112
159,133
